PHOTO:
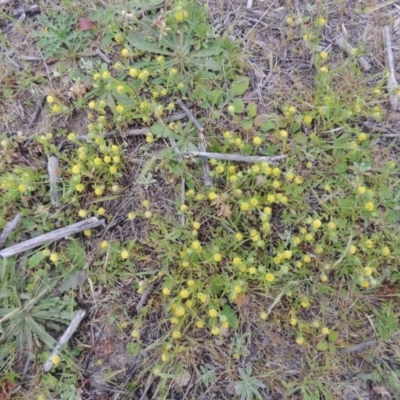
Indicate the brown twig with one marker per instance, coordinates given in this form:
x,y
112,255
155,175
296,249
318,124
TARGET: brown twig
x,y
52,169
202,142
235,157
345,46
392,85
51,237
144,297
37,111
103,56
10,226
359,347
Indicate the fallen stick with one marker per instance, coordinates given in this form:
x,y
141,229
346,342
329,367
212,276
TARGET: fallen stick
x,y
345,46
52,169
103,56
51,237
235,157
358,347
392,85
10,226
5,2
202,142
144,297
37,111
73,326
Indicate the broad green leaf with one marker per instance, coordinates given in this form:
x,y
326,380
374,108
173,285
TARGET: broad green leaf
x,y
146,3
252,109
217,284
322,346
163,131
209,52
215,97
35,259
333,336
230,314
261,119
295,128
76,253
240,85
268,126
144,45
300,138
247,124
239,106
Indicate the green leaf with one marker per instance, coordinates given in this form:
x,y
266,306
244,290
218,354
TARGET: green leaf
x,y
35,259
76,253
142,44
322,346
239,105
163,131
268,126
209,52
333,336
215,97
252,109
295,128
73,282
300,138
247,124
230,314
240,85
217,284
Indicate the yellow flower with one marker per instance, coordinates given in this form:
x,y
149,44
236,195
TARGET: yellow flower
x,y
125,53
238,289
369,206
166,291
252,270
199,324
254,202
386,251
257,140
300,340
82,213
164,357
106,74
196,245
365,283
238,142
212,195
54,257
124,254
324,55
239,236
120,108
305,303
202,297
148,214
144,75
176,334
293,321
96,76
325,330
184,294
331,225
104,244
353,249
271,198
22,188
269,277
289,21
324,70
80,187
369,244
50,99
215,330
190,283
179,311
244,206
231,109
368,271
276,171
217,257
99,190
283,133
361,190
56,360
362,137
56,108
320,21
298,180
92,104
317,224
133,72
287,254
307,119
179,16
173,71
307,258
213,313
183,207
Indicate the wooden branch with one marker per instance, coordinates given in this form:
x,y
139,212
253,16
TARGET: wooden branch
x,y
52,169
236,157
345,46
359,347
73,326
202,142
103,56
51,237
37,111
392,85
5,2
10,226
144,297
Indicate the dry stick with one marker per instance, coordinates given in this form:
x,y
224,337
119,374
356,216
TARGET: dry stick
x,y
358,347
345,46
73,326
103,56
235,157
37,111
52,169
51,237
5,2
249,4
144,297
10,226
202,142
392,85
